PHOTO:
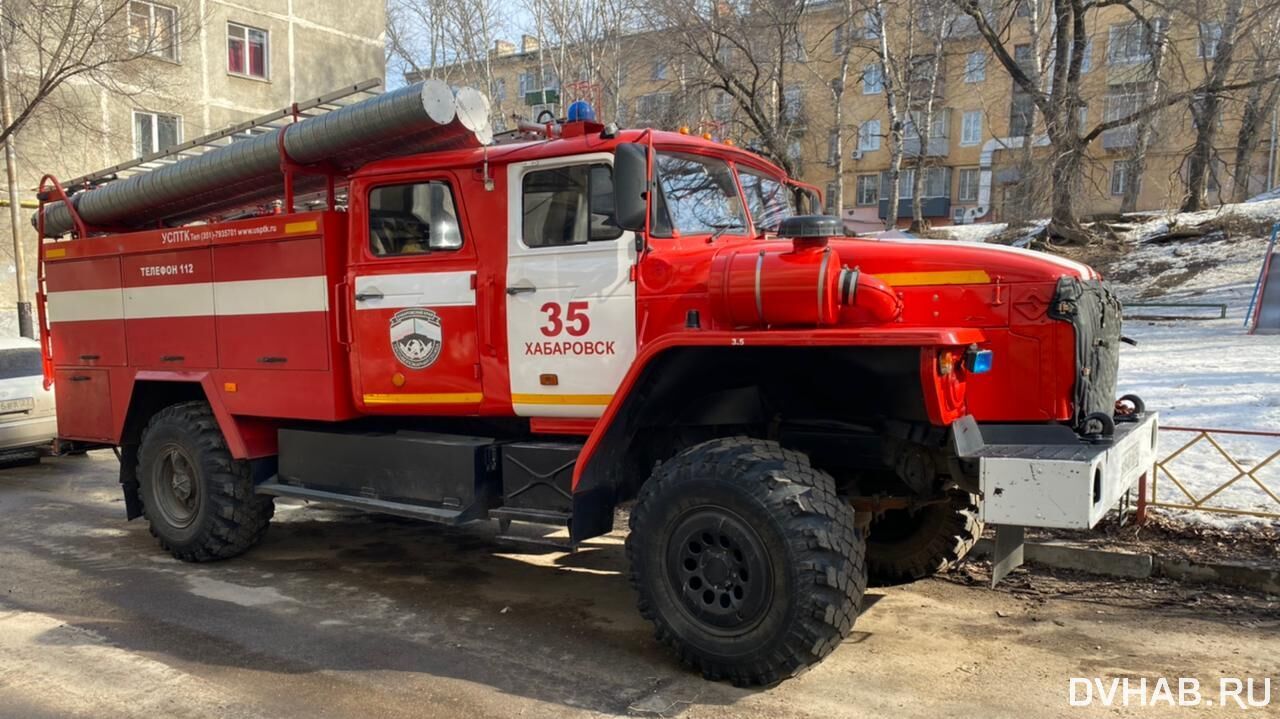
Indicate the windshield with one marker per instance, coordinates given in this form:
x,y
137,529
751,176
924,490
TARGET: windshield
x,y
768,199
698,195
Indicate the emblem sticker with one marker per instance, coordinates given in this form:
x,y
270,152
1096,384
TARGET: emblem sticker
x,y
416,337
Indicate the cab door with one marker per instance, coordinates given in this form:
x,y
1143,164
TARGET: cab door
x,y
571,300
413,300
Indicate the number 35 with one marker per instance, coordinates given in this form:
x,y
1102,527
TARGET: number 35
x,y
571,318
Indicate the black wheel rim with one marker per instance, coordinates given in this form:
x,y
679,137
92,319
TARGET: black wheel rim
x,y
177,487
720,571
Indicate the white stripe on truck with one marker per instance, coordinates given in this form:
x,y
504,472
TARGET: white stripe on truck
x,y
197,299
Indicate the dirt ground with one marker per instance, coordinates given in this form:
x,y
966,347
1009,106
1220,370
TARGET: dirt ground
x,y
339,614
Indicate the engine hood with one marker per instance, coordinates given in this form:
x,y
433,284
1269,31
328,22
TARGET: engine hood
x,y
905,263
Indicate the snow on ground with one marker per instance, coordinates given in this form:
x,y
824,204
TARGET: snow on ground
x,y
1201,373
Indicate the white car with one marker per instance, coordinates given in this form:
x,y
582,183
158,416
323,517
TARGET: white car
x,y
28,422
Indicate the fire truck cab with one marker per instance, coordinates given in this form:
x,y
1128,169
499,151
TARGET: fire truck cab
x,y
550,328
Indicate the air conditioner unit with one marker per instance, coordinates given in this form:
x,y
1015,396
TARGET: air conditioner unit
x,y
959,215
857,153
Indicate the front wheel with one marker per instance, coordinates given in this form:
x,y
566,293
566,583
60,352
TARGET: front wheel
x,y
746,560
199,501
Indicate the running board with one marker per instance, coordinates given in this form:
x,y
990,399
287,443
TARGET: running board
x,y
399,509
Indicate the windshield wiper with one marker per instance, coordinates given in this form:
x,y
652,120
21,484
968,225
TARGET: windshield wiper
x,y
720,230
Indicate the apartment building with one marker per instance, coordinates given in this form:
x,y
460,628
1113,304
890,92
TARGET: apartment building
x,y
983,153
209,64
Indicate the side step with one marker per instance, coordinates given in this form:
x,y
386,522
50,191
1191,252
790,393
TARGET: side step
x,y
546,517
400,509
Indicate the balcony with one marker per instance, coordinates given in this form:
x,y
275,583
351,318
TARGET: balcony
x,y
549,96
934,147
1120,137
932,207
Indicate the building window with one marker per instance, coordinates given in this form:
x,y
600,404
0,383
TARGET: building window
x,y
833,147
968,189
1122,173
154,131
1210,39
652,109
871,25
833,192
975,67
971,127
792,103
794,51
872,80
500,90
1129,43
1082,119
1022,113
868,190
869,136
153,29
248,51
658,71
1086,62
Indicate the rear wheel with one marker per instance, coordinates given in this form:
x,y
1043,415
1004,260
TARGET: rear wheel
x,y
903,546
745,560
199,501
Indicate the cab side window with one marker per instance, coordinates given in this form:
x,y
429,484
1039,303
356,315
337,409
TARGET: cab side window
x,y
569,206
413,219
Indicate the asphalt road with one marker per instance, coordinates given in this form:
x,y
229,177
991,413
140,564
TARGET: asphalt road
x,y
339,614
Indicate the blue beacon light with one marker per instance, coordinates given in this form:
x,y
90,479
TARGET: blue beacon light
x,y
581,111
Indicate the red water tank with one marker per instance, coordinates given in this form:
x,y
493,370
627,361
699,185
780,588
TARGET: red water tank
x,y
801,283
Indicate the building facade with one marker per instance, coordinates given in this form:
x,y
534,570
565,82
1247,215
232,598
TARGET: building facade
x,y
207,64
983,154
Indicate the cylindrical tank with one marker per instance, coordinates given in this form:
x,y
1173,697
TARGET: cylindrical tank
x,y
416,118
803,285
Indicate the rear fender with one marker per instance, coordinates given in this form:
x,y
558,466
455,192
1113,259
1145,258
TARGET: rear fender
x,y
246,437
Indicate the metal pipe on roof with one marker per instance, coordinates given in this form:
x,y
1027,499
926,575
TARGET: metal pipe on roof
x,y
417,118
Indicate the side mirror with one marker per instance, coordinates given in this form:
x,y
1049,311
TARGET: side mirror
x,y
630,185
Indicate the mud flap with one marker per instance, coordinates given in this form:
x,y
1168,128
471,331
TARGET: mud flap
x,y
1008,554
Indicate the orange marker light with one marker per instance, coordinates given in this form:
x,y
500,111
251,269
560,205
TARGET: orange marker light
x,y
706,136
397,379
230,387
729,141
684,130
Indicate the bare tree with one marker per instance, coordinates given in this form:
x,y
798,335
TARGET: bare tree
x,y
453,40
1058,101
1156,38
1258,104
54,47
1206,106
889,71
583,42
748,52
936,19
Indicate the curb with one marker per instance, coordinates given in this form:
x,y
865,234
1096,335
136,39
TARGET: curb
x,y
1247,575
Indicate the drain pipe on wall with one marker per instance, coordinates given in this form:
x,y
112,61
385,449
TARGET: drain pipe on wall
x,y
989,148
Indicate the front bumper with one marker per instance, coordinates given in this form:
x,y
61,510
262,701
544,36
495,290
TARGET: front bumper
x,y
1043,476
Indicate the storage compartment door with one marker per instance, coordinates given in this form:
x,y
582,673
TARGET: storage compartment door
x,y
84,404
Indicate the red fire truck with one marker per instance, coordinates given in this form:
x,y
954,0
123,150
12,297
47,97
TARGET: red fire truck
x,y
580,318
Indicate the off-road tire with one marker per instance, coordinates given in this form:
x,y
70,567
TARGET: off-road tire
x,y
815,558
226,516
905,546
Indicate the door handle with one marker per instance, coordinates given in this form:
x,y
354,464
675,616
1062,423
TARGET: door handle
x,y
369,295
521,289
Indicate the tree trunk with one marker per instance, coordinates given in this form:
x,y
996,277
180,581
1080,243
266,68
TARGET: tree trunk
x,y
1200,159
1261,102
1142,133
